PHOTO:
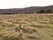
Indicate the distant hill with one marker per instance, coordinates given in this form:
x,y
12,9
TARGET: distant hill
x,y
25,10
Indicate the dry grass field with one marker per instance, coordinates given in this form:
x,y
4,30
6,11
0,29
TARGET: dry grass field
x,y
40,26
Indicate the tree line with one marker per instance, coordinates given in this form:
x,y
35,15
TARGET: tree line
x,y
45,11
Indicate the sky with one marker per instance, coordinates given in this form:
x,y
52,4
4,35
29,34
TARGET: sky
x,y
5,4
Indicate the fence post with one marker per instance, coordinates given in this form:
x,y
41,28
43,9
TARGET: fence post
x,y
20,32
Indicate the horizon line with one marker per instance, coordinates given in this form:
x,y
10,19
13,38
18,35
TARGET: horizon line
x,y
26,7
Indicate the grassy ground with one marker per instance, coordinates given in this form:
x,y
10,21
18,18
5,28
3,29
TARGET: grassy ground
x,y
40,26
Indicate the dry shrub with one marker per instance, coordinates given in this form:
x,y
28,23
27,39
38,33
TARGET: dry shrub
x,y
39,26
29,30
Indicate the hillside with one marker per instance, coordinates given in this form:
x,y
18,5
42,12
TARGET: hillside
x,y
25,10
